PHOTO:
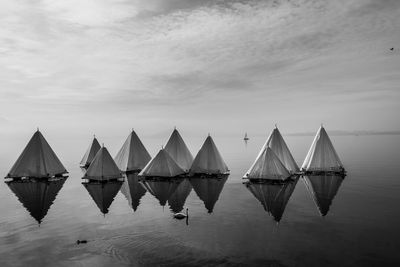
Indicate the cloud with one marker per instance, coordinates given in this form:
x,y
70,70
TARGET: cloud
x,y
179,57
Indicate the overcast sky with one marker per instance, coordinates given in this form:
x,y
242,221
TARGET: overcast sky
x,y
202,65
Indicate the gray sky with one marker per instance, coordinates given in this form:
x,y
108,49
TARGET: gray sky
x,y
204,66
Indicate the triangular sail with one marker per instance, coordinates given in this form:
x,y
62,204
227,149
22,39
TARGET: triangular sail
x,y
177,200
276,142
208,160
90,153
103,167
36,195
162,165
132,156
133,190
322,155
267,166
178,150
37,160
103,194
208,190
161,189
273,196
323,189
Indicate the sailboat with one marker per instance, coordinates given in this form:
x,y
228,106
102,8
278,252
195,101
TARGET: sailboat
x,y
322,157
246,138
179,152
208,160
37,160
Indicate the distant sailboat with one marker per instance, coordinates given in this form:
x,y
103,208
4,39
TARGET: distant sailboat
x,y
246,138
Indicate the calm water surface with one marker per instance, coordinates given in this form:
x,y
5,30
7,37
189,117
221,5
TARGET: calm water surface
x,y
227,224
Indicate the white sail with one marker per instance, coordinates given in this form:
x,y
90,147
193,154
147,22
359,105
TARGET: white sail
x,y
267,166
208,160
276,142
37,160
132,156
90,153
322,155
178,150
162,165
103,167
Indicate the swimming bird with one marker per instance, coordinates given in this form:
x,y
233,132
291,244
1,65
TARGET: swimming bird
x,y
181,215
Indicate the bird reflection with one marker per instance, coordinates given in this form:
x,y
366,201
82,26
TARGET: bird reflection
x,y
103,194
208,189
162,189
132,190
272,195
323,189
177,200
37,195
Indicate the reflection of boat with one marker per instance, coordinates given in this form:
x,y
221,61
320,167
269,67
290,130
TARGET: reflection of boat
x,y
37,160
322,157
162,189
246,138
177,200
90,153
208,189
208,160
103,167
132,156
323,189
178,150
273,196
103,194
37,195
132,190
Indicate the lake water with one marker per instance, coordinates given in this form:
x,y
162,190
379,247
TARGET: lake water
x,y
227,226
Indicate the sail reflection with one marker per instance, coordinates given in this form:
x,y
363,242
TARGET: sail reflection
x,y
272,195
162,189
132,190
37,195
208,189
177,200
323,189
103,194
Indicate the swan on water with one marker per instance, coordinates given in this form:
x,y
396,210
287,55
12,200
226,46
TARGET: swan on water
x,y
181,215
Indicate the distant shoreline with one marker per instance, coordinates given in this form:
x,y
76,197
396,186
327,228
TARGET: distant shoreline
x,y
346,133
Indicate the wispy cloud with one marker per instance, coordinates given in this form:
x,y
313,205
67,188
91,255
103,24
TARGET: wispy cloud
x,y
199,58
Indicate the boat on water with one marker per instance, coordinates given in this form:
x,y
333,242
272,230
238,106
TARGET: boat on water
x,y
37,160
322,157
246,138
